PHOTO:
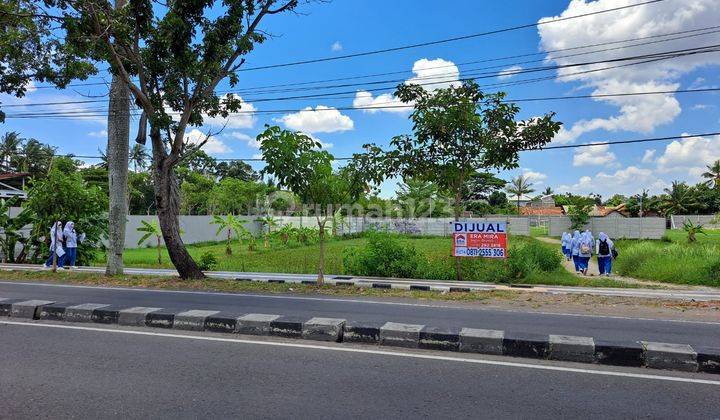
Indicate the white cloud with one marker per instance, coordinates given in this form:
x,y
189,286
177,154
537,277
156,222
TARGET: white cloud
x,y
435,74
386,103
594,156
336,46
322,119
98,134
649,156
627,181
30,87
430,74
641,113
689,156
509,72
213,145
701,107
245,118
534,177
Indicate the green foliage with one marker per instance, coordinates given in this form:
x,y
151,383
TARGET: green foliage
x,y
713,175
518,187
678,199
384,256
230,224
579,216
142,193
10,231
208,261
151,229
692,230
419,198
63,195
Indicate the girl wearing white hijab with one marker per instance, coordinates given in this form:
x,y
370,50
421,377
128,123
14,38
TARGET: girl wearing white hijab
x,y
604,250
585,252
566,241
56,238
575,250
71,240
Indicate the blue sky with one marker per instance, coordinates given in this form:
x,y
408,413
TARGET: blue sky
x,y
346,27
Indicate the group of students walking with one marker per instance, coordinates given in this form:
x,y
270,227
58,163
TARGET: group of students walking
x,y
63,243
581,246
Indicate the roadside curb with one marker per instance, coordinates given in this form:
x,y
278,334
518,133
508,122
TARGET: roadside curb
x,y
667,356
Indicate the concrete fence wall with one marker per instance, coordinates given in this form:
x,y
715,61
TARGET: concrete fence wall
x,y
708,221
617,227
200,229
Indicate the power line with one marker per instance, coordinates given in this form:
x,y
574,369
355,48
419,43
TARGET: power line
x,y
566,146
446,40
380,107
535,24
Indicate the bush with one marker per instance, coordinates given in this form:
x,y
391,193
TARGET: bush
x,y
207,261
384,256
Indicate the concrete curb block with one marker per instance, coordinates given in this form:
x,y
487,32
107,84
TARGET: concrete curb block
x,y
27,309
323,329
192,320
287,326
400,335
255,324
668,356
136,316
82,312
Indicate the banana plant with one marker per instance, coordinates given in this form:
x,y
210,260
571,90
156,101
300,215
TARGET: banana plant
x,y
286,232
233,225
268,222
151,229
339,221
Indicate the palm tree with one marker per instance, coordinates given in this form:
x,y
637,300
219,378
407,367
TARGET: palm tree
x,y
548,191
139,157
10,145
713,175
678,199
520,186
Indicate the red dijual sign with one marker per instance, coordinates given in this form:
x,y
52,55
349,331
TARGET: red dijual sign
x,y
479,239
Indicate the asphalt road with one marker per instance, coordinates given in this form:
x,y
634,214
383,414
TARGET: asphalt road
x,y
448,314
60,373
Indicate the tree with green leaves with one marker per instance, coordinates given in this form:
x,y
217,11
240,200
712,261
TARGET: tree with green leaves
x,y
692,230
235,169
480,185
298,163
713,175
139,157
231,224
678,199
151,229
171,56
420,198
548,191
520,186
458,132
267,222
64,195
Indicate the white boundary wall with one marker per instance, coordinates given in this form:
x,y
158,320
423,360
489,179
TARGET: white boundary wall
x,y
200,229
703,219
615,227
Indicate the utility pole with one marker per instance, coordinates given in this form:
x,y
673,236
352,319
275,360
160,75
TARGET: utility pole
x,y
118,150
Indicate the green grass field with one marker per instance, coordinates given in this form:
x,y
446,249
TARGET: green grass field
x,y
672,260
296,258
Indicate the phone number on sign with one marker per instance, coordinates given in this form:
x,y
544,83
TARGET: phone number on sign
x,y
482,252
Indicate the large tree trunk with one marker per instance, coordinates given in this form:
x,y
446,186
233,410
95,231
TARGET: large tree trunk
x,y
167,200
117,155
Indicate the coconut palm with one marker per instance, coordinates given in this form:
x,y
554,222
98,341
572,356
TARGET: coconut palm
x,y
520,186
713,175
678,199
10,145
548,191
139,157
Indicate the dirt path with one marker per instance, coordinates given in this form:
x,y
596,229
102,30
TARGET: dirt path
x,y
594,271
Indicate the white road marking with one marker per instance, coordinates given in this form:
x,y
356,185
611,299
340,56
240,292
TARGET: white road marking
x,y
359,301
376,352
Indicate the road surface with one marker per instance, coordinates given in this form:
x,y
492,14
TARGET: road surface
x,y
60,371
437,314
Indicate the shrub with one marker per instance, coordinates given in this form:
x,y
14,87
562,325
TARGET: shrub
x,y
384,256
207,261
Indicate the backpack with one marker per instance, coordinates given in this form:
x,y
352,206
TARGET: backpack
x,y
604,248
584,249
